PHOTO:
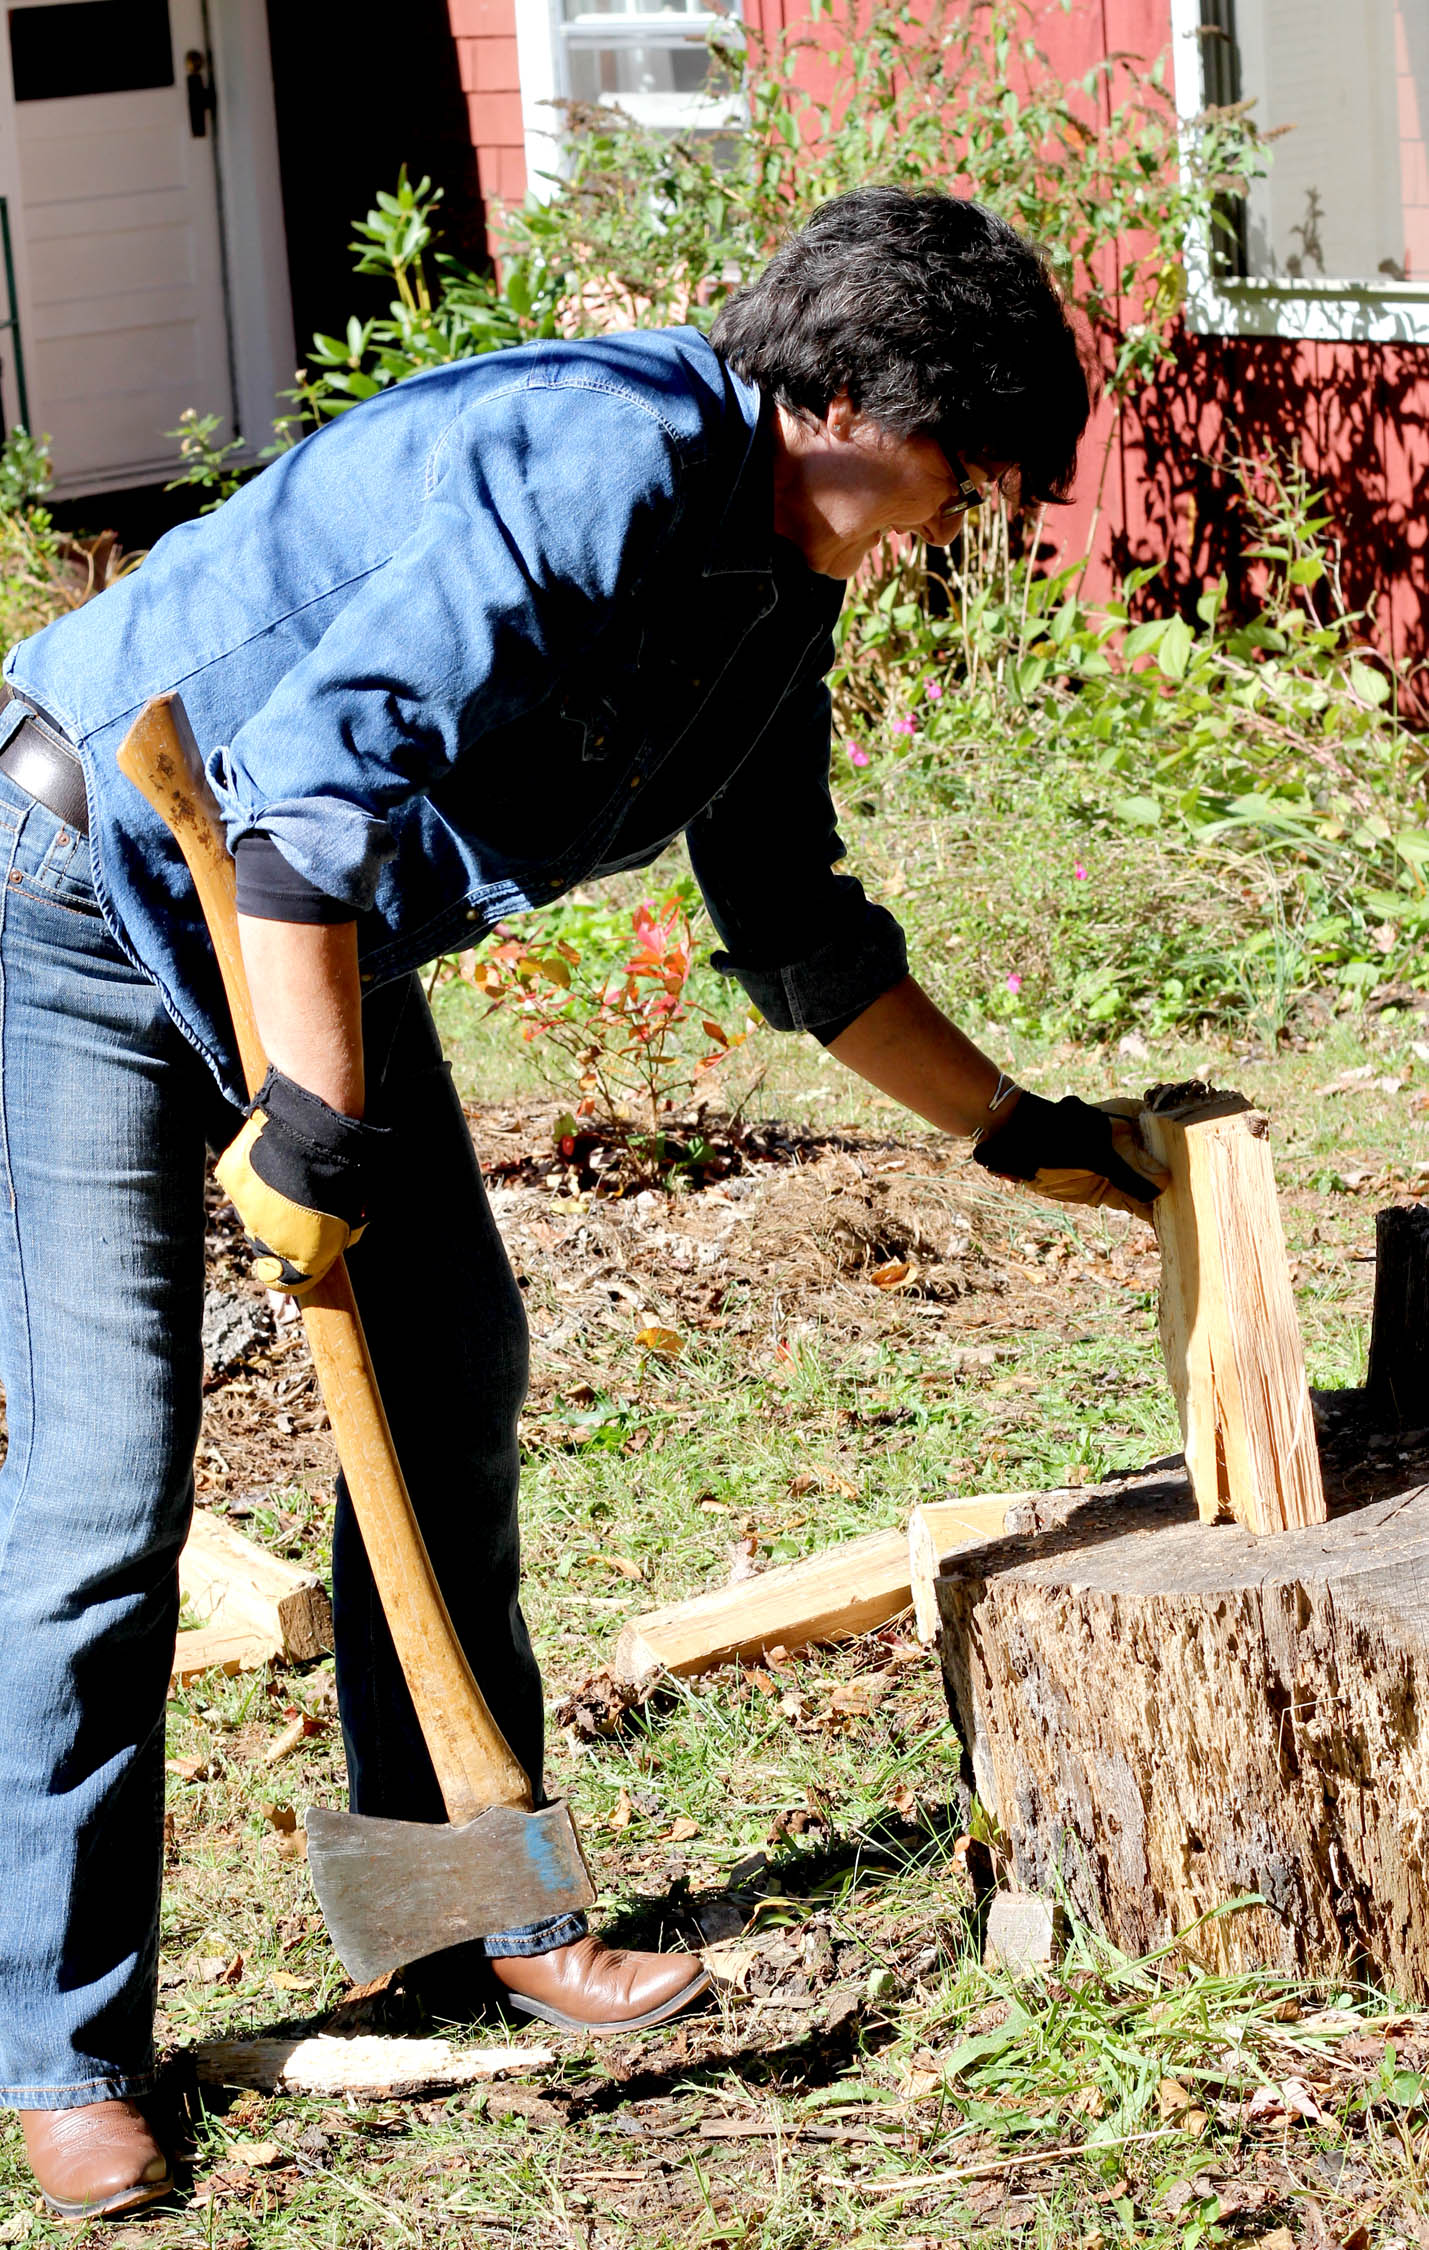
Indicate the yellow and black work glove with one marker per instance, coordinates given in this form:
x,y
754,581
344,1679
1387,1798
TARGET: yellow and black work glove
x,y
299,1175
1075,1152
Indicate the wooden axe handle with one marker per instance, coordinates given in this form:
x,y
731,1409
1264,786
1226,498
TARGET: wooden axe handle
x,y
473,1760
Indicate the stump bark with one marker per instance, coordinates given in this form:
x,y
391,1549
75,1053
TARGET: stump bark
x,y
1171,1718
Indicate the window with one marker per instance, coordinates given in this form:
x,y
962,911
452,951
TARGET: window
x,y
650,58
1334,242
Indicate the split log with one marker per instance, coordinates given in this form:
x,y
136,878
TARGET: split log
x,y
1397,1385
364,2068
938,1528
229,1581
833,1595
1169,1718
219,1648
1228,1325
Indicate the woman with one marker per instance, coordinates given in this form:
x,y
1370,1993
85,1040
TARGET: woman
x,y
515,624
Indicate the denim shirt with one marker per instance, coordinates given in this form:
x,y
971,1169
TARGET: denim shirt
x,y
511,625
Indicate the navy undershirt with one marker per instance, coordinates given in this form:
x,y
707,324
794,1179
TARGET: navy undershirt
x,y
270,889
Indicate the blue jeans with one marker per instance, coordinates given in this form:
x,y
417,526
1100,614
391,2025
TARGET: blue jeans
x,y
104,1115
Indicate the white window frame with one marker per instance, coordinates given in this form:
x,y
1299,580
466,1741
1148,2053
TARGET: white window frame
x,y
1304,310
542,49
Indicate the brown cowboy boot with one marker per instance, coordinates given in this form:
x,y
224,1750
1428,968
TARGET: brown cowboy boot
x,y
590,1986
96,2161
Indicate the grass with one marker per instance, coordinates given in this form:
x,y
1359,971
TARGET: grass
x,y
864,2080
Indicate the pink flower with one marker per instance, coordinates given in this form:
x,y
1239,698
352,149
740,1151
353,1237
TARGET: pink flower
x,y
905,726
1079,873
933,689
1014,982
857,757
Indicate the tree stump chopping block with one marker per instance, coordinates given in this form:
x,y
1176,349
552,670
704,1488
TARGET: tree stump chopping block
x,y
1168,1716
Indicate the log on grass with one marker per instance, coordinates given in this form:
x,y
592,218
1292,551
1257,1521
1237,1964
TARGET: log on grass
x,y
833,1595
1183,1728
220,1648
1228,1325
229,1581
360,2068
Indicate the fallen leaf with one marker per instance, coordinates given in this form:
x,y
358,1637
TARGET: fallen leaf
x,y
1279,2238
622,1812
259,2156
1171,2098
680,1831
903,1801
621,1563
281,1817
666,1343
294,1846
889,1275
852,1697
188,1769
730,1962
283,1980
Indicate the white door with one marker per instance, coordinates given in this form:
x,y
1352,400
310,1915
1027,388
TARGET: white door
x,y
109,163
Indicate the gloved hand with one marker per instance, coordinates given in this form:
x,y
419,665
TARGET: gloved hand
x,y
1075,1152
298,1175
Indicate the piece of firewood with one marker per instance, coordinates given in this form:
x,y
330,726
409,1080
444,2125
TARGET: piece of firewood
x,y
1228,1325
228,1580
833,1595
221,1648
1397,1384
940,1527
368,2068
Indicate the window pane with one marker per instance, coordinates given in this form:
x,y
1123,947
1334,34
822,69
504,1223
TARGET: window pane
x,y
611,73
574,10
90,47
1347,197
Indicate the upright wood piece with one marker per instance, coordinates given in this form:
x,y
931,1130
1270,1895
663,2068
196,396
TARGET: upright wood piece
x,y
1228,1325
474,1764
1397,1385
938,1528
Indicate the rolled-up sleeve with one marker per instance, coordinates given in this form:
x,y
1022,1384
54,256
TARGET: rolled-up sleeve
x,y
546,505
806,942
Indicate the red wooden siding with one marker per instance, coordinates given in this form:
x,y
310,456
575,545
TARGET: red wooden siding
x,y
485,35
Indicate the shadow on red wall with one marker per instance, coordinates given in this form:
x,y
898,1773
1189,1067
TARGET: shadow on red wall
x,y
1357,415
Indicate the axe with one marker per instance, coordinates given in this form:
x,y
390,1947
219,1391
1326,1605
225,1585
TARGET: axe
x,y
392,1891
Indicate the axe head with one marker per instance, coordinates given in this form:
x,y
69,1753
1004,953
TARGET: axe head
x,y
393,1891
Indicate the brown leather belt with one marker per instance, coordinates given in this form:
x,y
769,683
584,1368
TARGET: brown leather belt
x,y
38,762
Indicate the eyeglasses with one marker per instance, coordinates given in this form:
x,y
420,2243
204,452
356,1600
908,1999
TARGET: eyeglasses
x,y
968,496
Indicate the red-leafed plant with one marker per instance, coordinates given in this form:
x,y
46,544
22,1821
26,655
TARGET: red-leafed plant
x,y
639,1045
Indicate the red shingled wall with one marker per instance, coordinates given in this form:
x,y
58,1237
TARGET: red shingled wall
x,y
485,34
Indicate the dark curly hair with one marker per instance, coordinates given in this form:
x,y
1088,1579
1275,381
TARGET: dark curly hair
x,y
935,316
